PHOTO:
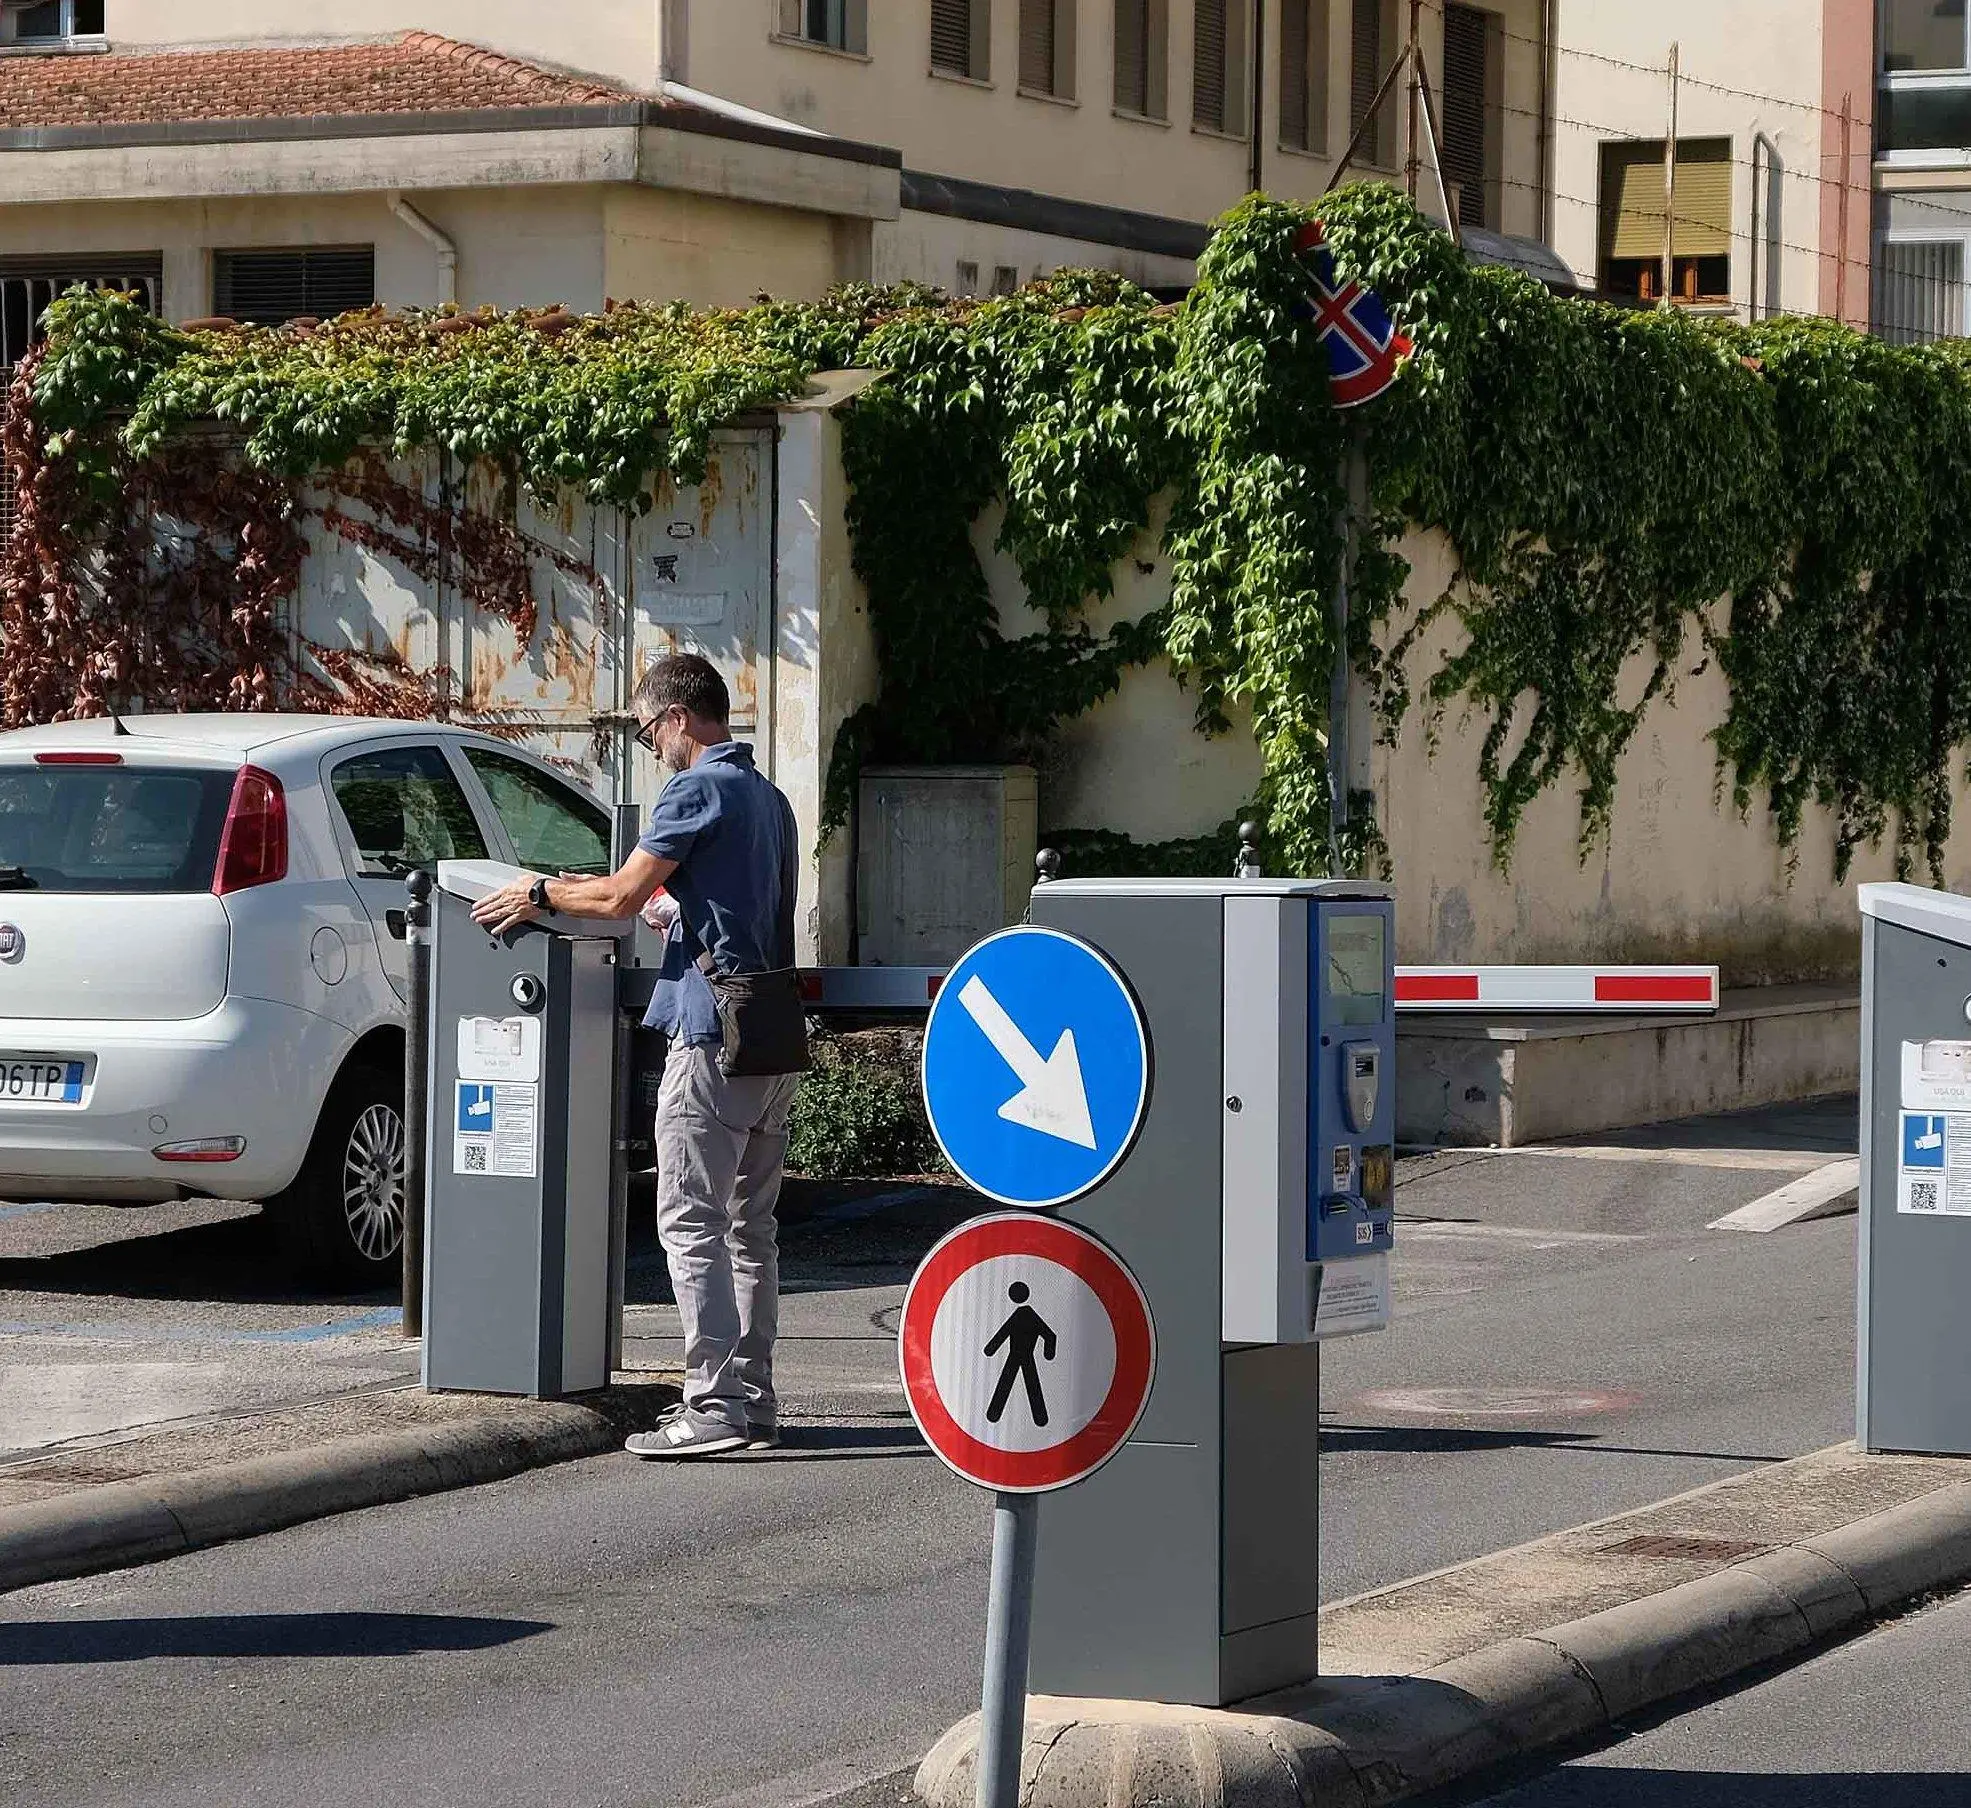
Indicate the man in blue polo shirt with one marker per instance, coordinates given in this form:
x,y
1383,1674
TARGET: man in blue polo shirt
x,y
722,841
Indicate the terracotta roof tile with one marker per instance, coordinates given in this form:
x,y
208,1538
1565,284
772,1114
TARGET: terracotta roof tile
x,y
418,72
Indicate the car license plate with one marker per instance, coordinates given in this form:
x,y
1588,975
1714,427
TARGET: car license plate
x,y
42,1079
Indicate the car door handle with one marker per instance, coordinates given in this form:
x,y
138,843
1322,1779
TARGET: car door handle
x,y
396,922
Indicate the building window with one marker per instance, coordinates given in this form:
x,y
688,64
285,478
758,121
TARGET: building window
x,y
268,288
1632,221
1918,291
1924,101
1047,47
968,276
1005,279
50,21
1304,74
837,24
27,286
961,38
1922,34
1473,66
1371,48
1218,65
1142,57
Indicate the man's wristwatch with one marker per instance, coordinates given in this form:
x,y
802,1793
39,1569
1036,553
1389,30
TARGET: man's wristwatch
x,y
537,895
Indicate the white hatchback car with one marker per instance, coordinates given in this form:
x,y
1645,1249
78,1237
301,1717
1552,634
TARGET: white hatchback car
x,y
202,963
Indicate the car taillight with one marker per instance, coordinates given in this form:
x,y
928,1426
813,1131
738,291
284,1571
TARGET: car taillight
x,y
253,844
78,759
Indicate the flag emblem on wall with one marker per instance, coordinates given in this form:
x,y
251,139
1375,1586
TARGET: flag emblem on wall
x,y
1364,348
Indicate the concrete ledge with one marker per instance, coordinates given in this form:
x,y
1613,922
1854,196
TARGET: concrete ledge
x,y
120,1523
1510,1081
1352,1741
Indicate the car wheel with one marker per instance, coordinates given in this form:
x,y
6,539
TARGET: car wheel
x,y
342,1221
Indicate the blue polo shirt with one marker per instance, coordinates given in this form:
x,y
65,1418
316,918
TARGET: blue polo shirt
x,y
732,834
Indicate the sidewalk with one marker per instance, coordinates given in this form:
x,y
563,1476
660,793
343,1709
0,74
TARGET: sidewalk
x,y
1439,1678
108,1505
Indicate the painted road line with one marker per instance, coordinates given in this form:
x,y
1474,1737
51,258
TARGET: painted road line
x,y
1751,1161
1824,1193
130,1332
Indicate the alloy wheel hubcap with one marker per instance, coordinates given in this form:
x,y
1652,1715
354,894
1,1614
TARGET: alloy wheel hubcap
x,y
373,1182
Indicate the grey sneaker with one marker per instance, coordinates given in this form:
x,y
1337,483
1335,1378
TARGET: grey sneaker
x,y
762,1434
682,1432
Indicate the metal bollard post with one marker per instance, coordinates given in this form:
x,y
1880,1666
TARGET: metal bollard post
x,y
417,1082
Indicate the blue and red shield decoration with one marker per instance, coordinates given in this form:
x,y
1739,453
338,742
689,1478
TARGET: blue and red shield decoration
x,y
1364,348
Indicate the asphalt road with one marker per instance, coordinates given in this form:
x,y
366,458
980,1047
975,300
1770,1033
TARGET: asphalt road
x,y
1877,1723
774,1631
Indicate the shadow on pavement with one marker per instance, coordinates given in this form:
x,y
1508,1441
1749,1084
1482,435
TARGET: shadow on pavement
x,y
1607,1786
1434,1440
234,1262
255,1635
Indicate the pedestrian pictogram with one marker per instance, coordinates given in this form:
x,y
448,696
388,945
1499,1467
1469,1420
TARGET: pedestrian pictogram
x,y
1022,1335
1027,1352
1036,1067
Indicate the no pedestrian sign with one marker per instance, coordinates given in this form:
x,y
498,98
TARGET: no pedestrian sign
x,y
1027,1352
1036,1067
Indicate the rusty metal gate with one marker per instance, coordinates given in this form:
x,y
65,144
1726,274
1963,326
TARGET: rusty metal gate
x,y
694,572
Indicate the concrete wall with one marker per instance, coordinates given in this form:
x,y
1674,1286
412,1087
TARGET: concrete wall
x,y
659,244
1681,877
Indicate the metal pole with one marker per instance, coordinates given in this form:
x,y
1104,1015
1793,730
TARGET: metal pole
x,y
1355,486
1009,1620
1258,114
417,1082
1415,52
1453,221
1368,121
1841,214
1670,191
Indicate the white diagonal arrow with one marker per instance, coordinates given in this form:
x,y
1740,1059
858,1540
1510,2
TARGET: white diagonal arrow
x,y
1052,1098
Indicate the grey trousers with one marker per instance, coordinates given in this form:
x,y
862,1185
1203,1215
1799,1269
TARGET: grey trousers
x,y
721,1150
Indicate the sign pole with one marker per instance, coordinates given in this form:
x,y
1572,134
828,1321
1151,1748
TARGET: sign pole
x,y
1009,1620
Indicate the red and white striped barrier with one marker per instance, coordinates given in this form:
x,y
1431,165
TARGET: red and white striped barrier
x,y
1434,989
1557,988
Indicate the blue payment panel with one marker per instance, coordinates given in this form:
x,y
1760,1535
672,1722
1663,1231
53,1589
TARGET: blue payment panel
x,y
1351,1069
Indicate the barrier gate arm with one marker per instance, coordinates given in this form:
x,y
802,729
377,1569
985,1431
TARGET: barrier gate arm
x,y
1628,990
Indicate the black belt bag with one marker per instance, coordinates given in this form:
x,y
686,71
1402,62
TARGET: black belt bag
x,y
763,1025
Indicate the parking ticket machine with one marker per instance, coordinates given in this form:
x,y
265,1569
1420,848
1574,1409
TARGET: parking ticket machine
x,y
1255,1208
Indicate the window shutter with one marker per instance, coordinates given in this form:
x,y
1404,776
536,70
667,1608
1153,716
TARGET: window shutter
x,y
1919,292
1365,59
1465,76
1133,55
1632,199
269,287
1293,73
1208,66
951,36
1037,45
791,20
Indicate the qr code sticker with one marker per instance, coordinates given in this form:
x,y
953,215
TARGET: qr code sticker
x,y
475,1158
1923,1196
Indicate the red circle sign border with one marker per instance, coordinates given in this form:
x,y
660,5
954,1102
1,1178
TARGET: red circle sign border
x,y
1092,1261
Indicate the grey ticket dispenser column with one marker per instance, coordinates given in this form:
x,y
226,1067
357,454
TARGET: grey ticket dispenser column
x,y
1913,1323
1255,1208
523,1242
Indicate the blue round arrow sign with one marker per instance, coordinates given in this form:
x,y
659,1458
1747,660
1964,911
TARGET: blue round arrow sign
x,y
1036,1067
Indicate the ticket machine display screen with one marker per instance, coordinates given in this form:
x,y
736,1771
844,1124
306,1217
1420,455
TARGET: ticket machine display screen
x,y
1357,979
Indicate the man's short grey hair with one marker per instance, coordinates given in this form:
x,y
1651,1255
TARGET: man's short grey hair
x,y
688,680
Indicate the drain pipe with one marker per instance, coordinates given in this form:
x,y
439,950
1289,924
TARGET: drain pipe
x,y
448,253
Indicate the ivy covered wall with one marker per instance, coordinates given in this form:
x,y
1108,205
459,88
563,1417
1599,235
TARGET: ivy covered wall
x,y
1621,501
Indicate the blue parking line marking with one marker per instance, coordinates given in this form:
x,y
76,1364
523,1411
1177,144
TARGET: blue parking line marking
x,y
24,1211
377,1320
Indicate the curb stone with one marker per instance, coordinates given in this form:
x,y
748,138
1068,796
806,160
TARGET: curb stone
x,y
117,1524
1360,1741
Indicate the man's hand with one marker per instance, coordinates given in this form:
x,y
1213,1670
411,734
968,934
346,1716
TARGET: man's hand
x,y
507,908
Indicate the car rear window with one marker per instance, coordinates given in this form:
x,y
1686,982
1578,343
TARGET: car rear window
x,y
110,828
